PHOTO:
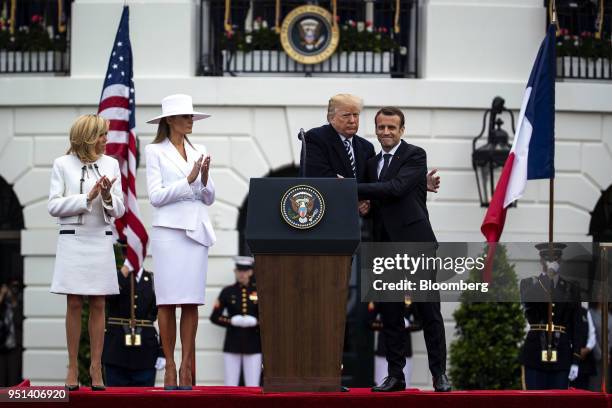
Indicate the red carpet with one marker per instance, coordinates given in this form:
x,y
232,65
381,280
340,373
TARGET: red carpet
x,y
231,397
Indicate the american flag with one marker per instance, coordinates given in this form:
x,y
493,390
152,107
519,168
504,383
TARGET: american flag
x,y
117,104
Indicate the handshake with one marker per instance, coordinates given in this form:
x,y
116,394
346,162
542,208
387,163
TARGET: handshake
x,y
243,321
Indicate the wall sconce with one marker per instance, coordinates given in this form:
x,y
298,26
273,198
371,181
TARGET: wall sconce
x,y
488,159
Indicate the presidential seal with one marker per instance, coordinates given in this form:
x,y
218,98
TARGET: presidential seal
x,y
302,207
308,34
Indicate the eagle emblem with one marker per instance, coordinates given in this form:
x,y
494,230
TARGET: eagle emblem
x,y
310,34
302,207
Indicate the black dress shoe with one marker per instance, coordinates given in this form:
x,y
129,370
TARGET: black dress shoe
x,y
390,384
441,383
98,388
74,387
344,389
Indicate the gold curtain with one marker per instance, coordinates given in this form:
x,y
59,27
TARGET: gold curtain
x,y
599,19
227,24
277,10
396,23
13,16
334,5
61,23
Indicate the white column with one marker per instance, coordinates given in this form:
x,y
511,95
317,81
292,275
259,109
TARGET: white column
x,y
480,40
369,10
164,36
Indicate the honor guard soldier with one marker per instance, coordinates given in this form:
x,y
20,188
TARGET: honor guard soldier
x,y
242,346
132,351
588,341
551,352
412,324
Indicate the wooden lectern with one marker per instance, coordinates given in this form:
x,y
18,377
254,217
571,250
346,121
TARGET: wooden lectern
x,y
302,281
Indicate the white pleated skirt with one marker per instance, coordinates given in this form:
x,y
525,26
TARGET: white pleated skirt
x,y
180,265
85,262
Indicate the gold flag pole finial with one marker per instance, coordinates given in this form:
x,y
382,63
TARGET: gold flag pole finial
x,y
552,12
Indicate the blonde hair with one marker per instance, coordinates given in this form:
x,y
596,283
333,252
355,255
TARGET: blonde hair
x,y
342,99
163,132
84,135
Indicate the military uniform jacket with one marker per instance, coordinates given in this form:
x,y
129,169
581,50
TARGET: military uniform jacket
x,y
376,325
565,301
236,300
588,365
115,351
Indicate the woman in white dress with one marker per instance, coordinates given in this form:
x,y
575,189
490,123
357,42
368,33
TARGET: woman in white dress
x,y
180,189
85,194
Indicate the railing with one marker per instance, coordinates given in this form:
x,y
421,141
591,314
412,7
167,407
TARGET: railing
x,y
368,43
34,37
12,62
581,52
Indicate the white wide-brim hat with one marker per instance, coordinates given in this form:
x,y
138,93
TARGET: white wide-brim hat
x,y
178,104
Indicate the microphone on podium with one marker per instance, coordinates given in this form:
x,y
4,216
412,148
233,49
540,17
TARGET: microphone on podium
x,y
302,137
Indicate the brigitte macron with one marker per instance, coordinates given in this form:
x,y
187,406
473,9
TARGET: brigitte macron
x,y
180,191
86,196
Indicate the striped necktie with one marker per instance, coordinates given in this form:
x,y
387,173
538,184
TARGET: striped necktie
x,y
347,145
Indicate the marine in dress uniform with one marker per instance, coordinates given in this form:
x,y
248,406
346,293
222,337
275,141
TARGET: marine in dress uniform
x,y
588,341
551,352
412,323
242,346
132,361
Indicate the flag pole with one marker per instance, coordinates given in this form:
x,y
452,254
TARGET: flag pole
x,y
603,261
551,223
551,181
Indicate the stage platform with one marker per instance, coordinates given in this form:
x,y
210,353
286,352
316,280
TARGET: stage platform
x,y
240,397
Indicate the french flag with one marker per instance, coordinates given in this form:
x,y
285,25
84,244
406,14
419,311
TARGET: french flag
x,y
533,152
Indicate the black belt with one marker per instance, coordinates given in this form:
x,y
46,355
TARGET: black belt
x,y
65,232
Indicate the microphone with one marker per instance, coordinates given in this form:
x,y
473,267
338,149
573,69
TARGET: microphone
x,y
302,137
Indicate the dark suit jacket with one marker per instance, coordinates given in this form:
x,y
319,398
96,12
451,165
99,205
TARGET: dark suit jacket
x,y
399,199
326,155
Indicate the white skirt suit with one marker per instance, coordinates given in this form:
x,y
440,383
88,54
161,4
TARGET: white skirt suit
x,y
182,231
85,260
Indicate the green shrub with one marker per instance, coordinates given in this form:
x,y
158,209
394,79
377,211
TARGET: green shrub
x,y
489,334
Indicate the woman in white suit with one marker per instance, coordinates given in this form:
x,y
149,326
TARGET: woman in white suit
x,y
180,189
85,194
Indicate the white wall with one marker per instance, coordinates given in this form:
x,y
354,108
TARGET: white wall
x,y
253,130
481,39
163,36
255,135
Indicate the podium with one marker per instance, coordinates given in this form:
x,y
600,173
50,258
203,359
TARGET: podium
x,y
302,273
